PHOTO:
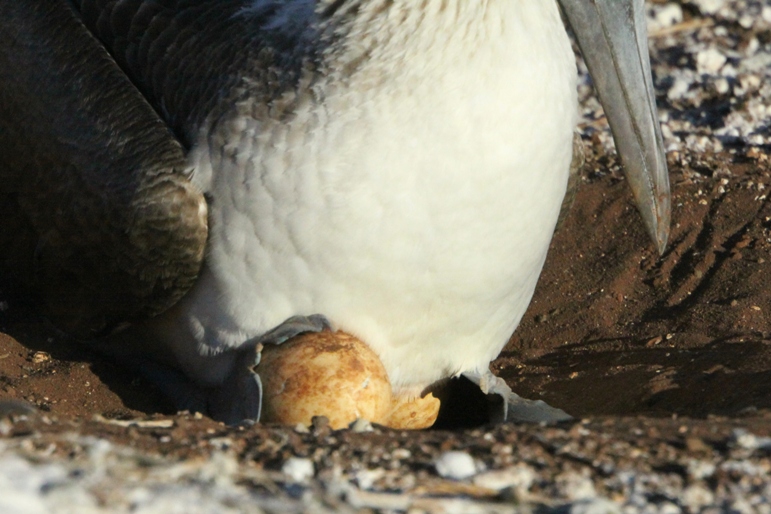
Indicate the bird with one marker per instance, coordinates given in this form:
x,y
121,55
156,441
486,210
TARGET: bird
x,y
191,180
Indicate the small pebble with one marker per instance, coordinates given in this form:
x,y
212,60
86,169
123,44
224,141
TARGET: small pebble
x,y
41,357
298,469
710,61
664,16
696,497
709,6
361,425
749,441
456,465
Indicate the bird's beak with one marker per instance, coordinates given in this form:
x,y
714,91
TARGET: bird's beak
x,y
613,38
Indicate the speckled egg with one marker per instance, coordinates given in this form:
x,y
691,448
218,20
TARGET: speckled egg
x,y
336,375
327,373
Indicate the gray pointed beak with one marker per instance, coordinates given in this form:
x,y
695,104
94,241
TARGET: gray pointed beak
x,y
613,38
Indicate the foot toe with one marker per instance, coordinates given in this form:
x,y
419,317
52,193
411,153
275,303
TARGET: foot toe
x,y
295,326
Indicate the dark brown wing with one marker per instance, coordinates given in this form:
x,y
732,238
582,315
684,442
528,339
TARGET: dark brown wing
x,y
96,211
191,58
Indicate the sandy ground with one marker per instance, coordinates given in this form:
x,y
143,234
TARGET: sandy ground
x,y
664,361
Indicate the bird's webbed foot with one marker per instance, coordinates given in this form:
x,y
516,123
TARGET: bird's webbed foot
x,y
293,327
508,406
238,398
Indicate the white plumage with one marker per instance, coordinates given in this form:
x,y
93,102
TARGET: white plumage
x,y
410,201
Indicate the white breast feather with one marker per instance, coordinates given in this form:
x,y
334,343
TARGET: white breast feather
x,y
414,208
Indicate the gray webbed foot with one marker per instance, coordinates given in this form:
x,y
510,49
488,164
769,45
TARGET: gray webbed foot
x,y
293,327
514,408
238,398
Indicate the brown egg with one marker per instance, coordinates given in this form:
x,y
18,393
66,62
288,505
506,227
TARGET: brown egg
x,y
327,373
413,413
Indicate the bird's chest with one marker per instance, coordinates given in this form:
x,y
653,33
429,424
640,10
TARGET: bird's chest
x,y
406,203
435,158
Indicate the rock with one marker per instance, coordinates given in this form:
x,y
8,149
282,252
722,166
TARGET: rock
x,y
456,465
298,469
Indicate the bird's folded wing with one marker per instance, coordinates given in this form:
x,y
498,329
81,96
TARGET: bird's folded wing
x,y
194,59
96,211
